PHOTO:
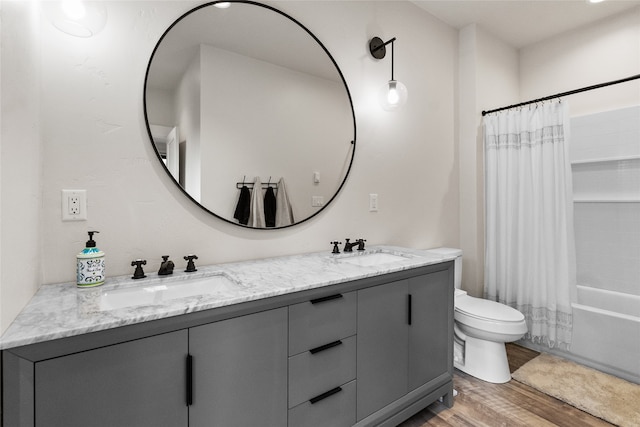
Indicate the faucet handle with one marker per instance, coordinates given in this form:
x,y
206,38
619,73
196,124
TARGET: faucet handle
x,y
138,273
361,244
191,266
335,244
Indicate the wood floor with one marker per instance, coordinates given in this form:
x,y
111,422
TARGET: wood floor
x,y
480,404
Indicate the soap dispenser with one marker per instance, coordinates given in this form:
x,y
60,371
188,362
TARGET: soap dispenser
x,y
90,265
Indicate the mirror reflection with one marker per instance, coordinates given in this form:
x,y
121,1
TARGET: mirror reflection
x,y
246,95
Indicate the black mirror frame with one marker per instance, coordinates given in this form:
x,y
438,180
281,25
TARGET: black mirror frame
x,y
159,156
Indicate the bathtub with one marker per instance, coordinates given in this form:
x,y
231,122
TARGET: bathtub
x,y
606,332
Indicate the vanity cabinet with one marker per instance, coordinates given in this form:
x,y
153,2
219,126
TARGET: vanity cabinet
x,y
137,383
404,339
227,373
322,361
366,352
240,371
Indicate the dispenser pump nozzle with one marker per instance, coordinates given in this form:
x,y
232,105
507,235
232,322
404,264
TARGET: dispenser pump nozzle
x,y
91,243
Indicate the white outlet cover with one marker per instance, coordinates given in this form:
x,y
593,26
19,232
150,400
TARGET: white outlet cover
x,y
72,211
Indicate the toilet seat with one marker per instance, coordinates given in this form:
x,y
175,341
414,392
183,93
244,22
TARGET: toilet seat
x,y
489,310
490,317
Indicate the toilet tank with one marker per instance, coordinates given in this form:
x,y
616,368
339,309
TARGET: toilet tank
x,y
449,252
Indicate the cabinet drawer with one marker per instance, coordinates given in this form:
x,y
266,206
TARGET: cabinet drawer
x,y
313,374
317,322
336,410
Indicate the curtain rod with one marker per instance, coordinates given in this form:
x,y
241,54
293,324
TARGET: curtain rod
x,y
558,95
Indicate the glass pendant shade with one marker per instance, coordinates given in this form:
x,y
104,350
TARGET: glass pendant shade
x,y
393,95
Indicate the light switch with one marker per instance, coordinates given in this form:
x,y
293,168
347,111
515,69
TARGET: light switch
x,y
373,202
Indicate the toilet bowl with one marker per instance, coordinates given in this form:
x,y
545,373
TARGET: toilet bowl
x,y
481,329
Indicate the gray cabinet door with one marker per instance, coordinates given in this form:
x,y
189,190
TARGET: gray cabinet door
x,y
240,371
137,383
382,346
430,331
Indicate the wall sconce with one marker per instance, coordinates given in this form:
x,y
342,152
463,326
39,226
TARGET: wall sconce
x,y
76,17
394,94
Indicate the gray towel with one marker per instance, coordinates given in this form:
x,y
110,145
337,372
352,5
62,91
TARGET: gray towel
x,y
284,213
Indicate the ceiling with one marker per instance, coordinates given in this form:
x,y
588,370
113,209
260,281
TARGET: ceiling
x,y
524,22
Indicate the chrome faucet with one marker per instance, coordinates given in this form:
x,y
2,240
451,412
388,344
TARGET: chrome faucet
x,y
348,246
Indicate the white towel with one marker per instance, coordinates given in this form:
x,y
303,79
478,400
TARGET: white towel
x,y
256,216
284,213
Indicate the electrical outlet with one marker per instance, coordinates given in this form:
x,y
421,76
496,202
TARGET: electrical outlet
x,y
74,205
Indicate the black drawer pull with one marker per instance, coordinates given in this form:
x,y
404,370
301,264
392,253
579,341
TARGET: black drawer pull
x,y
324,395
325,347
327,298
409,308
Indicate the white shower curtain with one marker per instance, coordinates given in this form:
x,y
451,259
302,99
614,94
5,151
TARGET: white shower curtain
x,y
530,248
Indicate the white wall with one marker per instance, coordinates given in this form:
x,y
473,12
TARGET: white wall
x,y
20,159
188,115
608,50
311,130
488,77
89,106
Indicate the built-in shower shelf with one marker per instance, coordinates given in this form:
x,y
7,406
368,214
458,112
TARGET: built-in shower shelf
x,y
607,200
605,159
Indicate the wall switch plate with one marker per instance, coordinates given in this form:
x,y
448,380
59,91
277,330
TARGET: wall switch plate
x,y
373,202
74,205
317,201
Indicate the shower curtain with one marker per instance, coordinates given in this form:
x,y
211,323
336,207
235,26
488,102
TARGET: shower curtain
x,y
530,247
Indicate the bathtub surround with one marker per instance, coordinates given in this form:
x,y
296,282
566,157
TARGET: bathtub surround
x,y
530,248
605,156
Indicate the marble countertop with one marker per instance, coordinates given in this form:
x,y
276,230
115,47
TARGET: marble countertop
x,y
63,310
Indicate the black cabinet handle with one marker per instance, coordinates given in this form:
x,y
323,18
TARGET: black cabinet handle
x,y
324,299
325,347
189,380
324,395
409,306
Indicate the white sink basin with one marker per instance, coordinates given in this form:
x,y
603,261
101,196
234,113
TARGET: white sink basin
x,y
375,258
157,293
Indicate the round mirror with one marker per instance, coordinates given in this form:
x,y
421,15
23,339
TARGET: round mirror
x,y
249,114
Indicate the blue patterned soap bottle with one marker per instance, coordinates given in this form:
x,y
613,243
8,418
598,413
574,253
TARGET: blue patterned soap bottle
x,y
90,265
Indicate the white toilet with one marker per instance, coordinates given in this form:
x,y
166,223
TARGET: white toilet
x,y
481,328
